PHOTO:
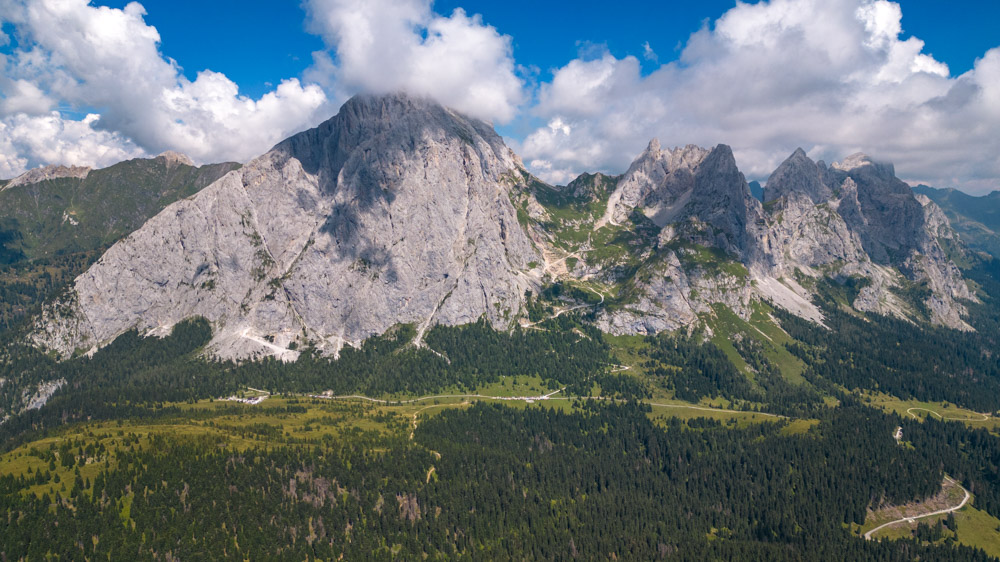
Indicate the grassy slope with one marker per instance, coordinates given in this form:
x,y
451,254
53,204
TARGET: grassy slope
x,y
725,324
107,205
921,410
976,528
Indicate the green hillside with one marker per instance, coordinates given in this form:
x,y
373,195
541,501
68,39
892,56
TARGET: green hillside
x,y
51,231
67,215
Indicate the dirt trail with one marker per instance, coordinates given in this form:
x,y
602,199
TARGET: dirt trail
x,y
986,417
964,501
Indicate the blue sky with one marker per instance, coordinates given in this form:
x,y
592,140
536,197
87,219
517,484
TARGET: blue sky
x,y
572,86
260,43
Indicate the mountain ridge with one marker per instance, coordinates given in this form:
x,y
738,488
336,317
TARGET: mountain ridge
x,y
400,211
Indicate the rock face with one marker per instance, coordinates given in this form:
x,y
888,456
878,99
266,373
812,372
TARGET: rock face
x,y
394,211
48,173
658,182
400,211
701,202
853,219
691,184
856,218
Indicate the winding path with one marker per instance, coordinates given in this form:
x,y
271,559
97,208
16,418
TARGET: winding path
x,y
562,311
530,399
986,417
965,500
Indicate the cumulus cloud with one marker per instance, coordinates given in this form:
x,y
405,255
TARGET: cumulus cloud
x,y
832,76
50,138
388,45
108,60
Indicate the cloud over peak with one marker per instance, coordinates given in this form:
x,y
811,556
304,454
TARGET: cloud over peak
x,y
84,84
830,75
388,45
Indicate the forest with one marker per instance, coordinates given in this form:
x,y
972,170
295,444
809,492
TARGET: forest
x,y
596,476
489,482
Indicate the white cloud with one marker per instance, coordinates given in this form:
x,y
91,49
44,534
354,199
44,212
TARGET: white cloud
x,y
50,138
21,96
108,60
388,45
832,76
648,53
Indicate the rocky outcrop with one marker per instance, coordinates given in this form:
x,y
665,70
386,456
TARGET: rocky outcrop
x,y
173,158
658,182
713,236
48,173
852,219
673,294
678,185
798,175
856,218
394,211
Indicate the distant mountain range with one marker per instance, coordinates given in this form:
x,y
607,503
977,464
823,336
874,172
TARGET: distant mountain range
x,y
58,210
401,211
976,219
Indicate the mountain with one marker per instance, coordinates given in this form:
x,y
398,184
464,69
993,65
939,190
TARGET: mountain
x,y
856,219
692,236
757,191
59,210
463,378
976,219
56,221
395,211
398,211
699,239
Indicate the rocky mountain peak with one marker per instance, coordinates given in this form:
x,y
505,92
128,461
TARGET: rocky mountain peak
x,y
371,120
798,174
658,181
394,211
400,211
51,172
174,158
860,161
860,218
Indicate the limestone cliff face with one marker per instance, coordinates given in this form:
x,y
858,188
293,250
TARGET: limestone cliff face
x,y
394,211
398,210
658,182
856,218
695,185
702,202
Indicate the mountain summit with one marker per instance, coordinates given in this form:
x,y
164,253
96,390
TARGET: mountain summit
x,y
400,211
395,211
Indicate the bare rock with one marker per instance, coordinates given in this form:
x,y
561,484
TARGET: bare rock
x,y
394,211
48,173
